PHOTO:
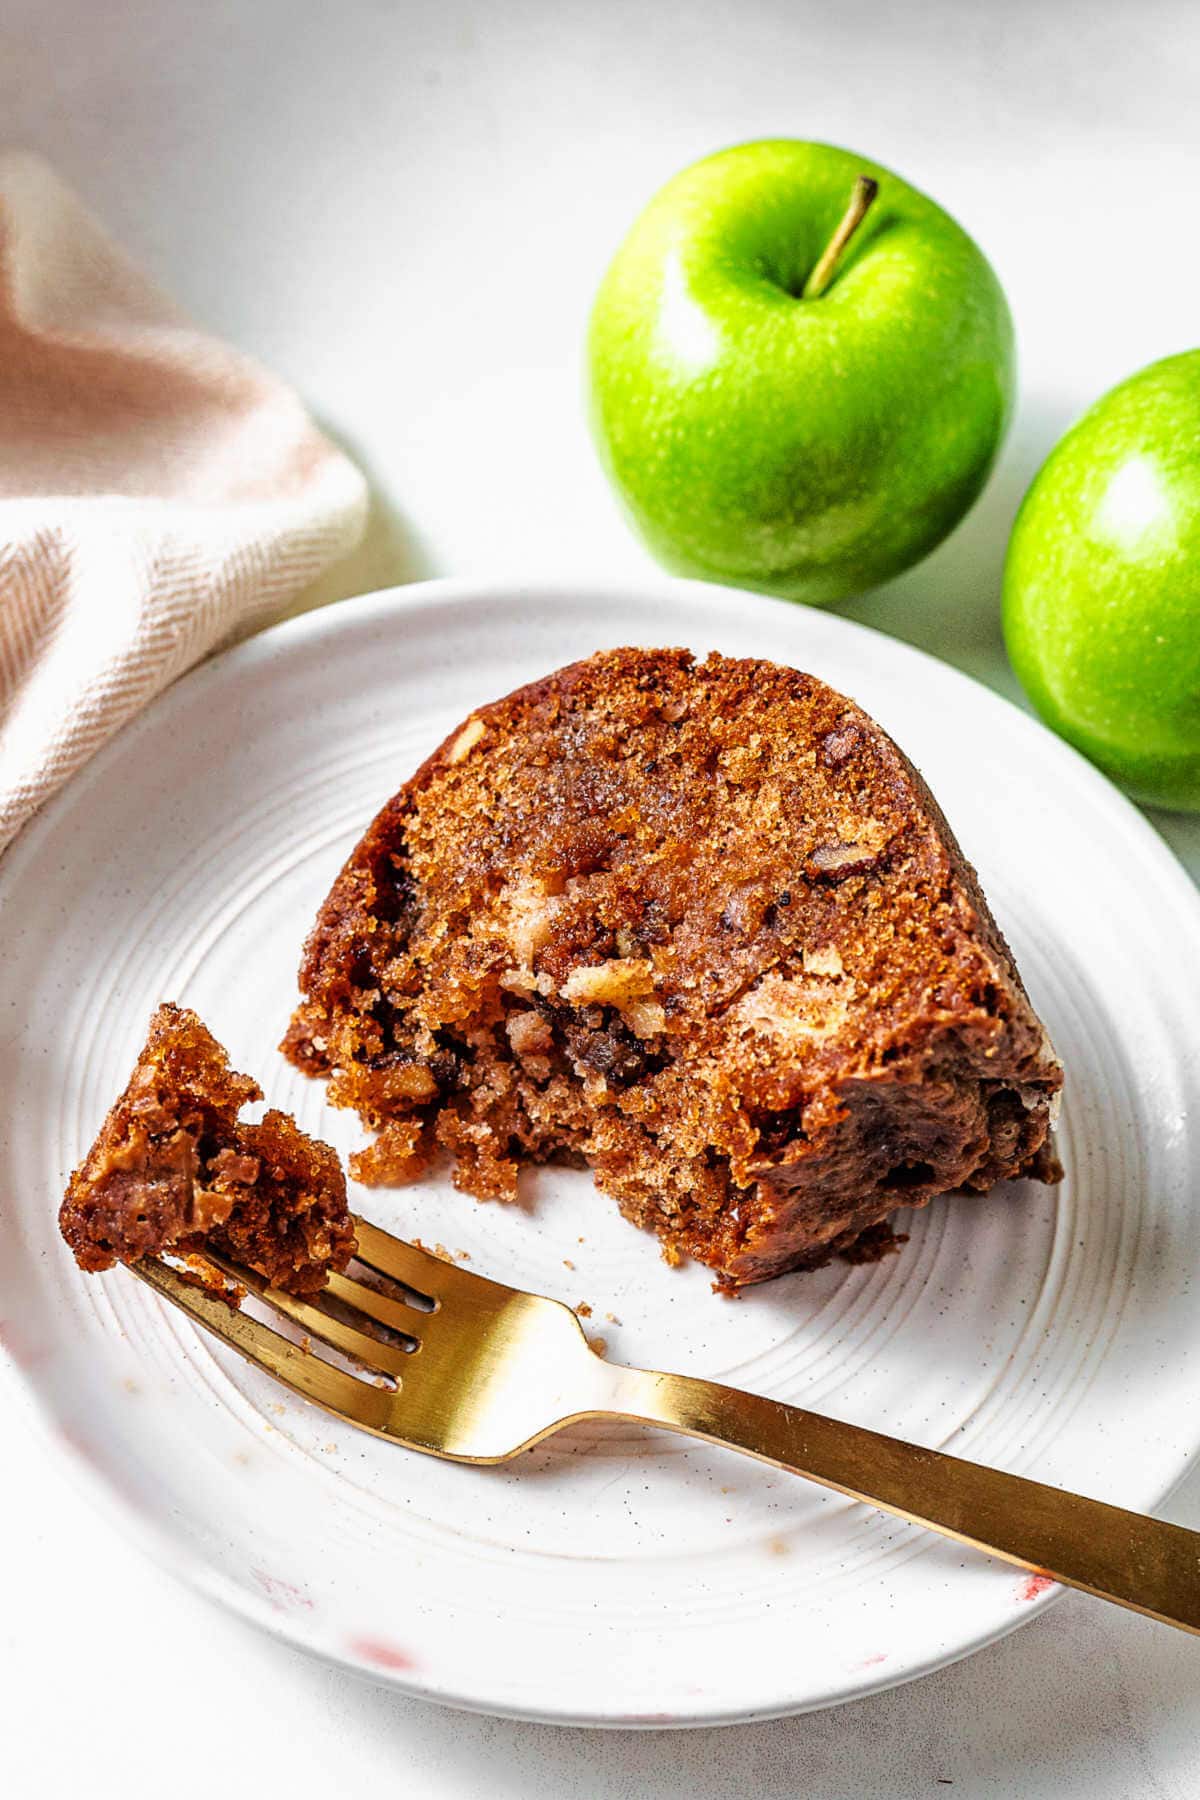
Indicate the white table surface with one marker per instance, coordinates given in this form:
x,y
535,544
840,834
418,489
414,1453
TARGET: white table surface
x,y
405,209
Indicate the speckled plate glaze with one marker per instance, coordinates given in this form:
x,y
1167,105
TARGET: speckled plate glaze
x,y
612,1576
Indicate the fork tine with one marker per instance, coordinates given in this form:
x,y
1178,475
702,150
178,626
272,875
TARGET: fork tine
x,y
358,1401
343,1336
358,1344
417,1269
380,1307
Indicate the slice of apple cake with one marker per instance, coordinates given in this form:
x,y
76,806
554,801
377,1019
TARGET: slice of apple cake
x,y
700,925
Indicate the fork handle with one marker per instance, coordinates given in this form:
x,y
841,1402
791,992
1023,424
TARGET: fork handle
x,y
1139,1562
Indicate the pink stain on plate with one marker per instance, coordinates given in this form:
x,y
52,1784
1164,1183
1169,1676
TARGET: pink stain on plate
x,y
284,1596
869,1662
1033,1585
383,1654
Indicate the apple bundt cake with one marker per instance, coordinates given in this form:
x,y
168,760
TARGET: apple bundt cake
x,y
173,1169
700,925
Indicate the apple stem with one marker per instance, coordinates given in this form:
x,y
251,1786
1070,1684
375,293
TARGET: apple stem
x,y
865,190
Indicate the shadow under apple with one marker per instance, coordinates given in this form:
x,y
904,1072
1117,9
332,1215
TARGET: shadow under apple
x,y
949,604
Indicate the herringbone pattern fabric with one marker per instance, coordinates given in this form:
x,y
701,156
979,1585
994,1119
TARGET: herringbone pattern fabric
x,y
160,494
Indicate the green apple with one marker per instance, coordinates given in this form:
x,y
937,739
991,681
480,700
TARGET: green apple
x,y
1102,585
805,437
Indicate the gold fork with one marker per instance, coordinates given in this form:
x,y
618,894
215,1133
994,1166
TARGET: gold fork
x,y
477,1372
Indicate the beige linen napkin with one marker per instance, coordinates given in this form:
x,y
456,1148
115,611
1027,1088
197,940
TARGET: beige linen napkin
x,y
159,493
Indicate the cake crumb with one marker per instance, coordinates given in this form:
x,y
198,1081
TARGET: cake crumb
x,y
567,1263
612,1318
583,1310
599,1345
176,1173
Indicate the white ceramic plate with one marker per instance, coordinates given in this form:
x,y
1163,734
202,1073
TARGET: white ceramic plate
x,y
613,1575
